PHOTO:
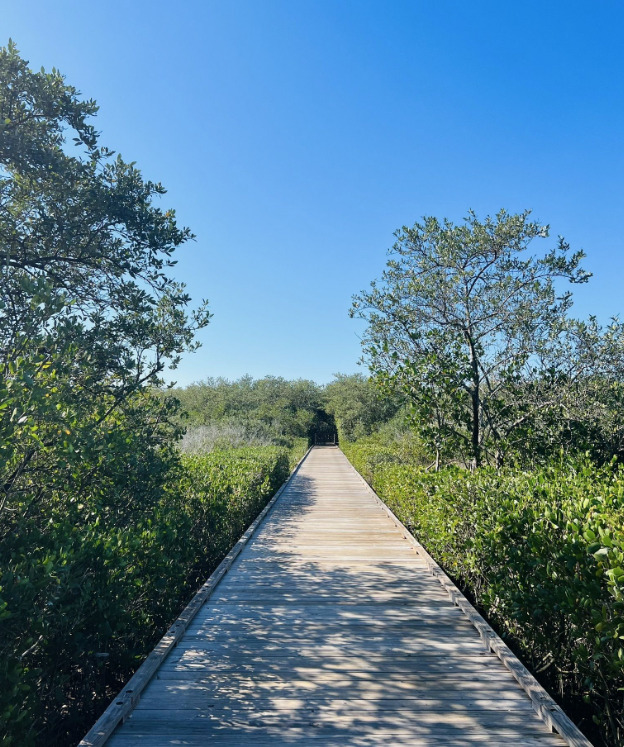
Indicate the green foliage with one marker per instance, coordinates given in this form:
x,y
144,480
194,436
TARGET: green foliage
x,y
90,579
402,448
268,409
541,552
473,331
274,410
84,248
89,318
357,406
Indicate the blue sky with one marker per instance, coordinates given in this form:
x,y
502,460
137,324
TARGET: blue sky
x,y
295,136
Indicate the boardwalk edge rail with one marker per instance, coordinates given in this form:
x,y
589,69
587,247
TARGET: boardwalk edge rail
x,y
129,696
550,712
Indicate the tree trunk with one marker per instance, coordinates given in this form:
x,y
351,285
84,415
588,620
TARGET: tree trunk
x,y
475,395
476,434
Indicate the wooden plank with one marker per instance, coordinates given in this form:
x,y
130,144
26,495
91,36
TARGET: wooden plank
x,y
302,738
525,720
207,724
239,689
354,672
406,612
215,704
354,598
409,611
357,646
426,661
301,582
329,632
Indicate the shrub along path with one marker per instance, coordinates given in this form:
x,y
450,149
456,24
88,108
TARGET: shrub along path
x,y
329,628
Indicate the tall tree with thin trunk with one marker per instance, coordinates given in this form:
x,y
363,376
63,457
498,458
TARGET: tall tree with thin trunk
x,y
463,318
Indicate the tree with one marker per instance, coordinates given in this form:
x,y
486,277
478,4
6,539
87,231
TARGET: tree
x,y
89,319
85,251
357,406
466,323
578,400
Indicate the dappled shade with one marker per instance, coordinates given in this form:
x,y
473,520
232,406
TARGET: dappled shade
x,y
329,627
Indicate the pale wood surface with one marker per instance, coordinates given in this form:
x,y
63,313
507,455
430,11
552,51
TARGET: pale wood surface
x,y
329,628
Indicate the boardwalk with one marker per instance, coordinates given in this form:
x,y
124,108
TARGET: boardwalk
x,y
329,629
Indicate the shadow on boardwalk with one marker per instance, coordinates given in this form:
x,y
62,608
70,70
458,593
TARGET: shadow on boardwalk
x,y
327,630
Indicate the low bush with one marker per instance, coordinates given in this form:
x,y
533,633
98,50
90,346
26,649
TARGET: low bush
x,y
541,553
201,439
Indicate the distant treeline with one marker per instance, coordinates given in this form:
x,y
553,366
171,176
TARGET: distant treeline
x,y
219,413
274,410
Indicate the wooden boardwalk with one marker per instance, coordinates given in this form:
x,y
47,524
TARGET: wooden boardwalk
x,y
330,629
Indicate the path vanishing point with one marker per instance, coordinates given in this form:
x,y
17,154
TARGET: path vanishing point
x,y
328,624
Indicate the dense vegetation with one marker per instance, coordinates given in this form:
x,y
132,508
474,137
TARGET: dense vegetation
x,y
272,410
88,588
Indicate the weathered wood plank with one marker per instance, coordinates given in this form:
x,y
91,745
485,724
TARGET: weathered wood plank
x,y
417,704
431,664
354,675
255,691
335,737
200,648
207,723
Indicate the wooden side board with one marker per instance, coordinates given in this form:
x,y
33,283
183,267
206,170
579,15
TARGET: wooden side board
x,y
543,703
121,707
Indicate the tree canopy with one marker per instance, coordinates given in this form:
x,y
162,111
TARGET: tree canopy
x,y
358,406
89,319
88,313
474,328
85,249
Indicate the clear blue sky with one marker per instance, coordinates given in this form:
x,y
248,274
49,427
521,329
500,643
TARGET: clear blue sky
x,y
294,137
